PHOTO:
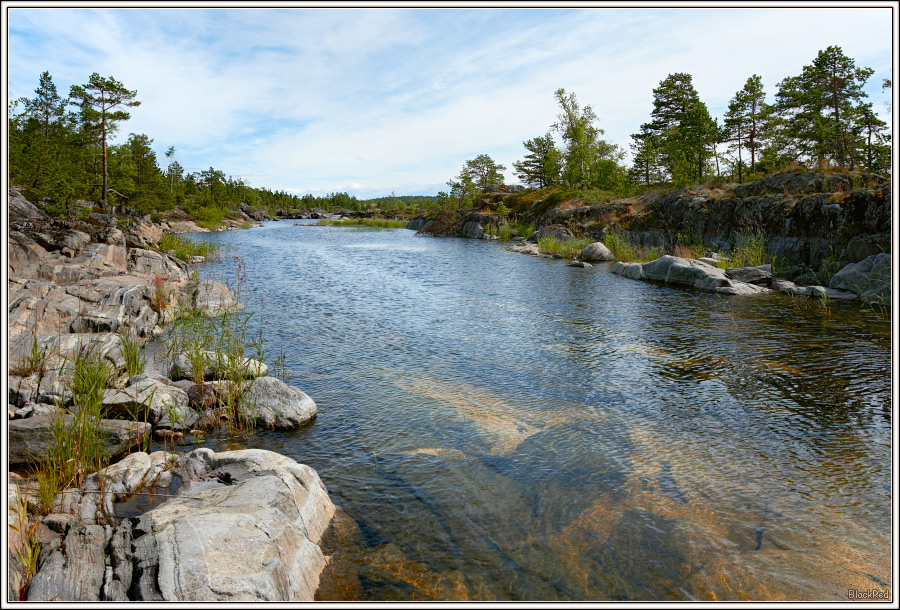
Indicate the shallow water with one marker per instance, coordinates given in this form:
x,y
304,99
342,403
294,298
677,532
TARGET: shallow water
x,y
496,426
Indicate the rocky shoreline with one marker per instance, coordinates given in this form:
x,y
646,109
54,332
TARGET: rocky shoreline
x,y
255,517
830,232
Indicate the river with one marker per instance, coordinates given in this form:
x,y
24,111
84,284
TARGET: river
x,y
495,426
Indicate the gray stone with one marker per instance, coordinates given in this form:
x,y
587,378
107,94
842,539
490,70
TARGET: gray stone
x,y
761,274
145,401
258,516
29,439
870,279
692,273
213,298
22,211
580,264
216,366
790,288
597,251
273,404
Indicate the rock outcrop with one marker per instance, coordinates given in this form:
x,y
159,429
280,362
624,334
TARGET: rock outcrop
x,y
242,526
687,272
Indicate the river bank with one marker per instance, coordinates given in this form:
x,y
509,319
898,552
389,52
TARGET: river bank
x,y
805,234
90,293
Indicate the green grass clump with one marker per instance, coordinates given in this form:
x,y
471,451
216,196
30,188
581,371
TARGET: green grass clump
x,y
569,248
131,351
380,223
185,249
749,252
625,251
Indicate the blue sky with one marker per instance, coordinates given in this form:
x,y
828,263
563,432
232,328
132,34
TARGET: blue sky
x,y
371,101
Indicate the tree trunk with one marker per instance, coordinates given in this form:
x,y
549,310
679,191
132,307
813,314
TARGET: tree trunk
x,y
105,187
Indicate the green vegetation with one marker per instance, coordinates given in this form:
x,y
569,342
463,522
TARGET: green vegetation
x,y
750,251
381,223
131,352
186,249
567,248
626,251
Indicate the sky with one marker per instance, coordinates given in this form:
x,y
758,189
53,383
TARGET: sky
x,y
382,100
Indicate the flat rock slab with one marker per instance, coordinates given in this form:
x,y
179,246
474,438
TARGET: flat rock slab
x,y
30,438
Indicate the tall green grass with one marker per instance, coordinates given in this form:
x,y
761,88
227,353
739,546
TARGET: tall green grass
x,y
185,249
750,251
626,251
569,248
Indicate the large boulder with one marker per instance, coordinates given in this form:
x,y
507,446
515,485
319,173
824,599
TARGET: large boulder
x,y
560,232
274,404
215,366
30,438
870,279
22,211
761,274
243,526
597,251
688,272
213,298
259,516
148,400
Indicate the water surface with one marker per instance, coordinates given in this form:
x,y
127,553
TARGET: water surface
x,y
496,426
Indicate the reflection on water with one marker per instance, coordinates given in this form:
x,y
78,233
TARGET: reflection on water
x,y
501,427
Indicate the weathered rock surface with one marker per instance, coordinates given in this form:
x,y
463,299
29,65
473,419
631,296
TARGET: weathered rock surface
x,y
761,274
30,438
146,400
215,366
560,232
597,251
274,404
243,526
213,298
870,279
692,273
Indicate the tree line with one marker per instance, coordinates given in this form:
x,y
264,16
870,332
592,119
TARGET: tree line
x,y
819,118
60,152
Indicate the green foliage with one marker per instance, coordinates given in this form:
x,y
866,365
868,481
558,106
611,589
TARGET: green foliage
x,y
567,248
626,251
542,166
750,251
588,161
681,135
819,116
186,249
131,351
102,101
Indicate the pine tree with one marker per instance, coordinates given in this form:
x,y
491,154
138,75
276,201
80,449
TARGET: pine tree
x,y
683,128
541,166
99,100
818,108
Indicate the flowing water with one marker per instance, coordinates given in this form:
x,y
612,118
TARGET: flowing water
x,y
495,426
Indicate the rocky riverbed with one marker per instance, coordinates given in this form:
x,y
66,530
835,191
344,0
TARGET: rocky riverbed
x,y
255,516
